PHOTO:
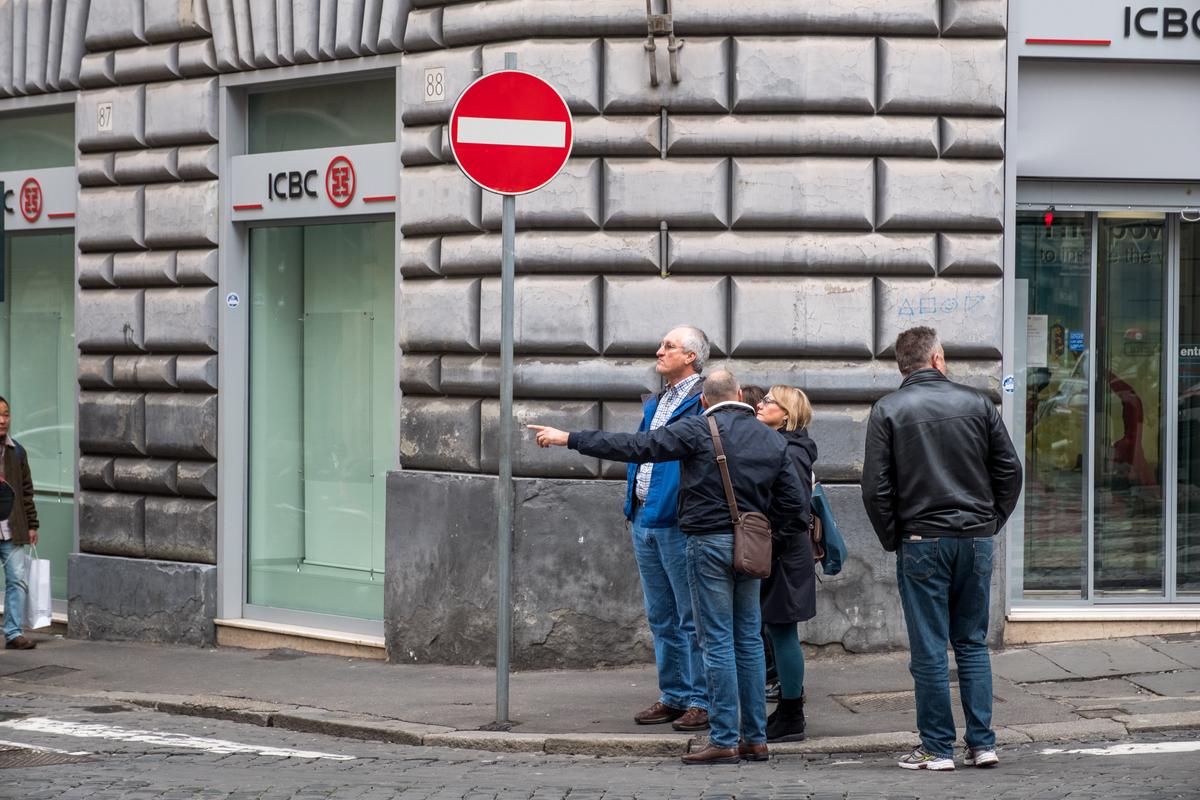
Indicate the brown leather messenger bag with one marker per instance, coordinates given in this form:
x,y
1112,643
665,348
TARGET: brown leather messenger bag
x,y
751,531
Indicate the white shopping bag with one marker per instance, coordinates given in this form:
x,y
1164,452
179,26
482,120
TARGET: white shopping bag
x,y
37,598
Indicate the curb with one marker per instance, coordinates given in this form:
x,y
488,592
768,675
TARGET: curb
x,y
352,726
304,719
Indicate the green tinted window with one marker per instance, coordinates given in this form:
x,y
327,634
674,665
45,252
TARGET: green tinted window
x,y
328,115
37,376
37,141
321,430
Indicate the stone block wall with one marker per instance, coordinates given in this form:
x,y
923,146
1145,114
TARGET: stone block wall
x,y
146,230
823,175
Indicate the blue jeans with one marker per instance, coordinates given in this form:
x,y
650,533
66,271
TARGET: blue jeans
x,y
661,555
945,584
16,568
728,620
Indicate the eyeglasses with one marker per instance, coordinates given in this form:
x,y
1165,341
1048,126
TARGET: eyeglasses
x,y
768,401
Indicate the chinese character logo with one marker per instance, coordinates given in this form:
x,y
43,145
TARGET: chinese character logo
x,y
31,200
340,181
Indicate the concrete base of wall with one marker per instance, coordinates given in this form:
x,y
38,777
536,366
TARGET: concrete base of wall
x,y
576,594
1018,633
577,598
134,599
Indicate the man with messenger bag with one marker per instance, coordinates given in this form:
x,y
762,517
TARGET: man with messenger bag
x,y
724,577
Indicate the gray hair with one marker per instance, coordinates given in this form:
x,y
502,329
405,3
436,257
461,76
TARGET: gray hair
x,y
694,341
720,387
914,349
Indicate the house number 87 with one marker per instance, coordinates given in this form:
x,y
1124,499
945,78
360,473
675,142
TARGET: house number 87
x,y
104,117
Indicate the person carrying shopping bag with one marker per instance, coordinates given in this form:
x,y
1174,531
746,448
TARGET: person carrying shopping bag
x,y
789,595
17,529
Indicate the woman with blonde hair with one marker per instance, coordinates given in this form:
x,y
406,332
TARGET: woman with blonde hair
x,y
789,595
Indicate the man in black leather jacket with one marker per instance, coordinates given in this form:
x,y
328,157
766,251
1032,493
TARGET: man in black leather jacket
x,y
726,603
940,478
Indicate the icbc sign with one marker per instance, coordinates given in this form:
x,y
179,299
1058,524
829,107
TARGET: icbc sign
x,y
340,181
295,184
322,182
39,199
31,200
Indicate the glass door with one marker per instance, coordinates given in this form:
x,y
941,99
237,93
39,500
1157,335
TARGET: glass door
x,y
1130,526
1187,527
321,385
1111,417
1054,264
37,377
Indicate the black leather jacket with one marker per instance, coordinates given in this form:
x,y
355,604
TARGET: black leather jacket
x,y
760,470
939,462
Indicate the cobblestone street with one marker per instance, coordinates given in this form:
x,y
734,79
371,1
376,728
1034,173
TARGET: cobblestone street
x,y
190,758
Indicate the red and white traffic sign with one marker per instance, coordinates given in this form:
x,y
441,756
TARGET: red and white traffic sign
x,y
511,132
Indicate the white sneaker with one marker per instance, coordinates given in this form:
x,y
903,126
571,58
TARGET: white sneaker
x,y
981,757
919,759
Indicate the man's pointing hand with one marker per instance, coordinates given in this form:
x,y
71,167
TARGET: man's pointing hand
x,y
549,437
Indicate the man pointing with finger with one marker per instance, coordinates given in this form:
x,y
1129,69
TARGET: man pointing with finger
x,y
726,603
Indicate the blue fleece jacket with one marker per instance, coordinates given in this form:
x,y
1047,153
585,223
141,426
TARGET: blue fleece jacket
x,y
662,498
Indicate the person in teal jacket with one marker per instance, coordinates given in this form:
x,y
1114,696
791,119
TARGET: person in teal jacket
x,y
660,548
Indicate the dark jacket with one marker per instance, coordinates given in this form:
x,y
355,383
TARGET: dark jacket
x,y
939,462
762,475
662,498
24,514
789,594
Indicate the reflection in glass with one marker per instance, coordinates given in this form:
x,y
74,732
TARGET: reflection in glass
x,y
1056,262
1188,526
37,140
1129,520
327,115
321,430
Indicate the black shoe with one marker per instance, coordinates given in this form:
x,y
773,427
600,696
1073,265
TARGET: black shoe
x,y
788,725
772,691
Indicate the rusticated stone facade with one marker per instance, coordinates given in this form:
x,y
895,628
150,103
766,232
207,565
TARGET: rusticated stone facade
x,y
822,176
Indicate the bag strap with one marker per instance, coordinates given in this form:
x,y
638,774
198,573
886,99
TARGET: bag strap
x,y
723,465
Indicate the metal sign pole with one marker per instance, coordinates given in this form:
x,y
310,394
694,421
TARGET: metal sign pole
x,y
504,573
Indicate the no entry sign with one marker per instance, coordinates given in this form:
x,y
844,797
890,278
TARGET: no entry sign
x,y
511,132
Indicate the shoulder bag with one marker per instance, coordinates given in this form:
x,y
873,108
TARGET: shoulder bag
x,y
829,548
751,531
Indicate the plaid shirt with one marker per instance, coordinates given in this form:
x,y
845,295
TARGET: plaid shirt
x,y
670,400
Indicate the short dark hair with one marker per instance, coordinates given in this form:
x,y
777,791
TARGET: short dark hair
x,y
752,393
915,347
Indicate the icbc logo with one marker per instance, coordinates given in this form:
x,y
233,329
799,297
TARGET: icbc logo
x,y
31,200
340,181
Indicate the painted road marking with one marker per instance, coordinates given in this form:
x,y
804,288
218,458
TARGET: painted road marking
x,y
516,132
39,749
1129,749
115,733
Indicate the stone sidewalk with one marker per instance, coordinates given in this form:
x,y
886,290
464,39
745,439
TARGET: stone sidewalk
x,y
1101,689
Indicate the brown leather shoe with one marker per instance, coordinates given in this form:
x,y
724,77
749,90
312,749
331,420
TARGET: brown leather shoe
x,y
20,643
753,752
696,719
657,714
712,755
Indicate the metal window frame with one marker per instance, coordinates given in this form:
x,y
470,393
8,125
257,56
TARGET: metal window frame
x,y
233,376
1170,426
